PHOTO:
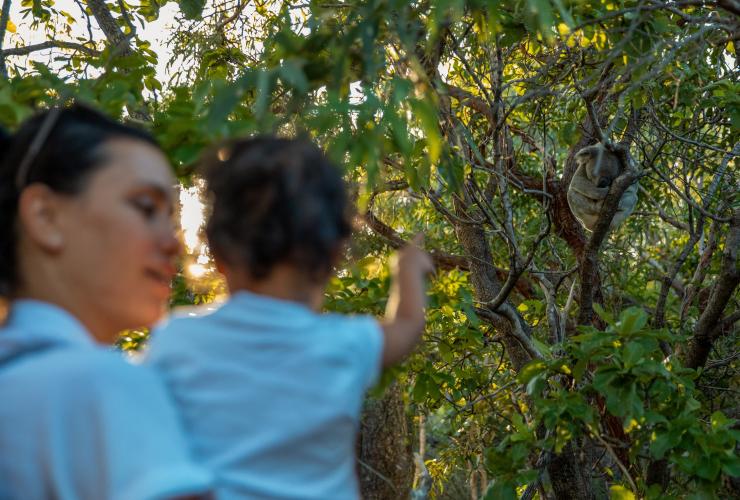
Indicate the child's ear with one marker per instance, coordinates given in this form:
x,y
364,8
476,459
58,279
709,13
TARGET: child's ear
x,y
39,213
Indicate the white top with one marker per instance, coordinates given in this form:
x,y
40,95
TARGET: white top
x,y
271,394
78,422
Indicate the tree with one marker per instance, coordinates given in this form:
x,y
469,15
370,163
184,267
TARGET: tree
x,y
558,362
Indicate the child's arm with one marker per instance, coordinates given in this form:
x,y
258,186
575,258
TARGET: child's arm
x,y
404,316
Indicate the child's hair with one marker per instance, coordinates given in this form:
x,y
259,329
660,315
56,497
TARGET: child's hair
x,y
60,148
275,201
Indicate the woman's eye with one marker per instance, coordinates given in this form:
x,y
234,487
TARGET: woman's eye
x,y
146,206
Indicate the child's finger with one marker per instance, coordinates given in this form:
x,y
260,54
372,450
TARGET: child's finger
x,y
418,240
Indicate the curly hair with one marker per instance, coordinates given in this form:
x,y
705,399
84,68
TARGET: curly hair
x,y
70,153
275,201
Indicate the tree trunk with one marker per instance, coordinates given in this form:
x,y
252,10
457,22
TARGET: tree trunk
x,y
567,473
569,476
486,286
120,46
109,26
386,465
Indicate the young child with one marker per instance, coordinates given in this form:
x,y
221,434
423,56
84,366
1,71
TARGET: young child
x,y
269,388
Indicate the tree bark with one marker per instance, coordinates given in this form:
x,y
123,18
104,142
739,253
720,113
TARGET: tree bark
x,y
566,471
4,18
705,331
486,286
49,44
120,46
386,465
589,263
109,26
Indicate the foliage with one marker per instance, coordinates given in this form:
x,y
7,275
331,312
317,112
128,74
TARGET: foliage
x,y
460,118
655,399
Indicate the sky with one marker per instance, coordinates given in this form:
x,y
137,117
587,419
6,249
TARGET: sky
x,y
21,32
155,32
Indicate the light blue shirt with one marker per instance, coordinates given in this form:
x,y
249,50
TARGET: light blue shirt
x,y
271,394
78,422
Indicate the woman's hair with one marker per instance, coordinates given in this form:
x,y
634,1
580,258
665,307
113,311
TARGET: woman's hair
x,y
275,201
60,148
4,141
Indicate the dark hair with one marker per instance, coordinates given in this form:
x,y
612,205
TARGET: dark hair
x,y
275,200
69,144
5,138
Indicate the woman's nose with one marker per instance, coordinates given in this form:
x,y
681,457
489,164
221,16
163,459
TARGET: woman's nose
x,y
168,239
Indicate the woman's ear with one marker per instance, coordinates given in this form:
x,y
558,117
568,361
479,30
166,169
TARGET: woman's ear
x,y
39,216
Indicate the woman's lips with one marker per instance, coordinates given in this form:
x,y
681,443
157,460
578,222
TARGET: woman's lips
x,y
162,275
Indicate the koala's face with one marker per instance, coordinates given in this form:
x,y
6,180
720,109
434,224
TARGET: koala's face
x,y
602,171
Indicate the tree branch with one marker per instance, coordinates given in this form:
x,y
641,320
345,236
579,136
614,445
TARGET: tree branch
x,y
732,6
729,277
589,264
469,100
442,260
4,18
49,44
233,17
113,33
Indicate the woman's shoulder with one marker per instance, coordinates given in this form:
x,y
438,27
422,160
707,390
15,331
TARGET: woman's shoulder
x,y
105,370
92,373
110,424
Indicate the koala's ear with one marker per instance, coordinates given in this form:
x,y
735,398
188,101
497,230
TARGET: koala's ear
x,y
584,155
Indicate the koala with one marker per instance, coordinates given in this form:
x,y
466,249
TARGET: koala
x,y
597,169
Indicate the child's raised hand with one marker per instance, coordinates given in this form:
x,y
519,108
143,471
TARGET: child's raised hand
x,y
412,259
404,321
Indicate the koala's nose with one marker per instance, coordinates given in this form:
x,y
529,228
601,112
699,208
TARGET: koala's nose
x,y
604,182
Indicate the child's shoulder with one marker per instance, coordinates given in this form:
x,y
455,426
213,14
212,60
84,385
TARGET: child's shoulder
x,y
187,317
195,311
348,320
350,326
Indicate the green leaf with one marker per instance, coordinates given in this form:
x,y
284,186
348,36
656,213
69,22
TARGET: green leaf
x,y
192,9
420,388
445,352
719,420
708,468
603,314
540,17
619,492
427,117
530,371
632,354
544,348
500,490
453,172
580,368
732,467
631,321
660,445
225,97
292,73
564,13
535,386
264,80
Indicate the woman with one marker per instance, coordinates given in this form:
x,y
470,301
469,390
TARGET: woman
x,y
86,250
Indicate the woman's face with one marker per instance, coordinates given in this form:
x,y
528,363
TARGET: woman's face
x,y
119,239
